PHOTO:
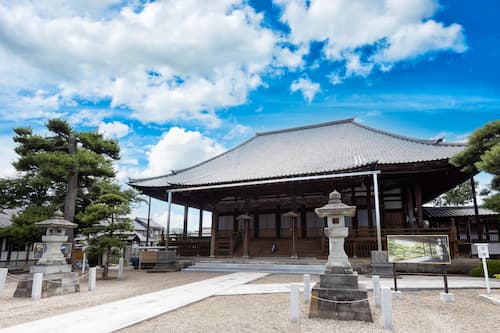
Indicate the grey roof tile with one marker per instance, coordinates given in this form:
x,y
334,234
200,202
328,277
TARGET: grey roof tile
x,y
322,148
455,211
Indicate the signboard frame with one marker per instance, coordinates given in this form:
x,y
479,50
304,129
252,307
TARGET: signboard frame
x,y
440,240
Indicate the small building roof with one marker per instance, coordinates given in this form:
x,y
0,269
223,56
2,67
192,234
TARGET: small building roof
x,y
6,216
308,150
144,222
456,211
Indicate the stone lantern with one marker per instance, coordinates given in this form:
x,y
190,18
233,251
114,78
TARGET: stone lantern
x,y
338,295
58,279
335,212
53,260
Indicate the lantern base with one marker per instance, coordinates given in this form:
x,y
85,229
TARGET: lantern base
x,y
51,269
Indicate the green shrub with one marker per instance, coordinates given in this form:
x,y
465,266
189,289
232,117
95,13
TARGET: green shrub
x,y
493,268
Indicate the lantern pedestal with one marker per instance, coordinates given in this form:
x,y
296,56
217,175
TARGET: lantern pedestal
x,y
338,295
57,276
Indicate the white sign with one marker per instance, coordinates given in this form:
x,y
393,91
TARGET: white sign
x,y
482,251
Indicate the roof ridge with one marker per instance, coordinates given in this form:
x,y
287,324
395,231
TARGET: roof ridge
x,y
299,128
176,172
437,142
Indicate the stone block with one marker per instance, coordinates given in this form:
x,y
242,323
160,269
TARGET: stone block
x,y
52,285
339,281
379,257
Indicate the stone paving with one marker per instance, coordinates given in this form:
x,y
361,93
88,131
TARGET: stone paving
x,y
113,316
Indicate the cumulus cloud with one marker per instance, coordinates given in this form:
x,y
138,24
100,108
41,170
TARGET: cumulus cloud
x,y
308,88
184,60
8,156
179,148
170,60
114,129
237,130
374,34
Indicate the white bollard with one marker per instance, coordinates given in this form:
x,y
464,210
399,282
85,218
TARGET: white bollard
x,y
120,268
486,276
36,287
294,302
307,288
83,262
376,290
92,278
387,307
3,277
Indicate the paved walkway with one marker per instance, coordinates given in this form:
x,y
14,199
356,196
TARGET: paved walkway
x,y
405,283
113,316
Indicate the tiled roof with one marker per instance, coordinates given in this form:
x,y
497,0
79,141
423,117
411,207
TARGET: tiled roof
x,y
323,148
455,211
144,222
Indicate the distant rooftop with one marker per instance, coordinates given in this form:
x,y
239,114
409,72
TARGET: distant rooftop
x,y
456,211
316,149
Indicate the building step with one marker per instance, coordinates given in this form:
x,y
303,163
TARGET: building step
x,y
263,268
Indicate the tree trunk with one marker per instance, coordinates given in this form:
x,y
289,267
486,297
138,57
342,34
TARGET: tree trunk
x,y
71,190
105,259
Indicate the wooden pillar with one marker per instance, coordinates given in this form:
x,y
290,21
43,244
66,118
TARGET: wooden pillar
x,y
486,229
213,233
354,219
185,225
235,221
498,230
293,221
303,221
418,204
200,231
409,203
476,209
469,232
256,223
278,222
246,234
369,203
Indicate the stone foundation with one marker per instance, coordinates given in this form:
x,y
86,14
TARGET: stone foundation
x,y
338,288
52,285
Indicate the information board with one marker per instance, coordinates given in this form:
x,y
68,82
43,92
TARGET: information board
x,y
418,249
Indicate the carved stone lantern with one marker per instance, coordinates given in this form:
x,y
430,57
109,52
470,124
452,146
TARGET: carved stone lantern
x,y
54,237
58,279
335,211
338,296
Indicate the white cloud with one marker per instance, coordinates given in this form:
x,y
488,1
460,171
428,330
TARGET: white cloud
x,y
179,148
170,60
308,88
371,34
89,117
237,130
114,129
8,156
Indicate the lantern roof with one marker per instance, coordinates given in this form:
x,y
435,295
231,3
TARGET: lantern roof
x,y
56,221
335,207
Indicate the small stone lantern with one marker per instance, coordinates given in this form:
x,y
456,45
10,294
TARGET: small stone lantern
x,y
335,211
58,279
338,296
54,237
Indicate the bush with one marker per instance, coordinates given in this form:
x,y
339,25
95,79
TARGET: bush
x,y
493,268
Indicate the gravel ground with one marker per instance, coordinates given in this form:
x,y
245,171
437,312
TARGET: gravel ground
x,y
415,312
15,311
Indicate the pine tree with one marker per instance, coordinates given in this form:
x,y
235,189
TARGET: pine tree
x,y
64,163
106,226
483,154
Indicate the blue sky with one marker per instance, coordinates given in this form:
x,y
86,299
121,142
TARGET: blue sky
x,y
177,82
